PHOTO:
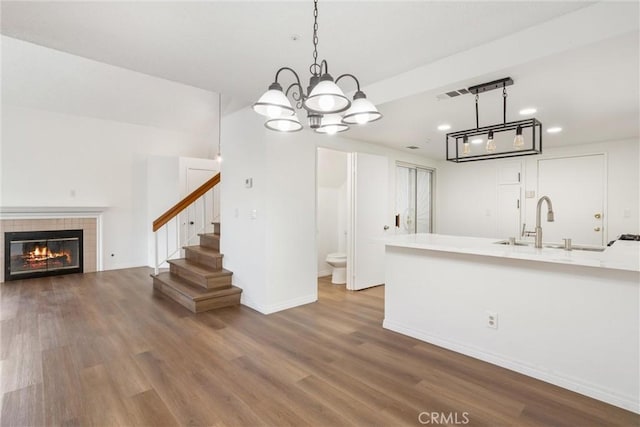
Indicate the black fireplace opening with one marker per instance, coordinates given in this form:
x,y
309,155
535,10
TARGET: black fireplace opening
x,y
29,254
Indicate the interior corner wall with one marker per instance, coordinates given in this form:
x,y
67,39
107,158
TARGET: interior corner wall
x,y
466,196
268,228
274,255
76,132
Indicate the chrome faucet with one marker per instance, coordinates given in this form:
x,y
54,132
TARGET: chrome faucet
x,y
538,232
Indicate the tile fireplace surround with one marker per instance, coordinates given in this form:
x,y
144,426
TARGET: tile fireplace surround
x,y
51,219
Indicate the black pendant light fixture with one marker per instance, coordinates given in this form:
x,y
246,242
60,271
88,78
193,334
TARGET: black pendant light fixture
x,y
501,142
328,109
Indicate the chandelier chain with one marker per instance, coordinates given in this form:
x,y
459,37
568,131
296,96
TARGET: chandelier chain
x,y
315,68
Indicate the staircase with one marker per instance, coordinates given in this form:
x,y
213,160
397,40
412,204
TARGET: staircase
x,y
198,282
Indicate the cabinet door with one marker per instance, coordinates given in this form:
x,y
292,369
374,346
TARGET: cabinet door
x,y
576,188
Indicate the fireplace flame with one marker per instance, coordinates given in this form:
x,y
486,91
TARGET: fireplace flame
x,y
43,253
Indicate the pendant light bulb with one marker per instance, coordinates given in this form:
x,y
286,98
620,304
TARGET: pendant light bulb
x,y
518,141
491,145
326,102
466,147
219,158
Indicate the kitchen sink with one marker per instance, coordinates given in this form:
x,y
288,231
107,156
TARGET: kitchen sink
x,y
552,246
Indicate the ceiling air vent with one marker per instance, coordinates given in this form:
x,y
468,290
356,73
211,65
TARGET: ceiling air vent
x,y
412,147
452,94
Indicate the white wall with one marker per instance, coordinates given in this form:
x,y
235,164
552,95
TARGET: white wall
x,y
467,193
274,256
78,132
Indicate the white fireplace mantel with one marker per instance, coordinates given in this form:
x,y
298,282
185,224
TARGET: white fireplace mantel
x,y
33,212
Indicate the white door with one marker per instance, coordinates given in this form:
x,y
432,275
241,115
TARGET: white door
x,y
369,217
201,214
576,187
508,211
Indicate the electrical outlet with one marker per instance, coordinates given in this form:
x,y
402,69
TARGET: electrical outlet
x,y
492,319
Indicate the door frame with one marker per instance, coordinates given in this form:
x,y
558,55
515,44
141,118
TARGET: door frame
x,y
605,186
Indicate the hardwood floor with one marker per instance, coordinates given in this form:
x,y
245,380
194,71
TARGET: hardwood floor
x,y
101,349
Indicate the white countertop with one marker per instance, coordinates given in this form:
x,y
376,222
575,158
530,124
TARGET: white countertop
x,y
623,255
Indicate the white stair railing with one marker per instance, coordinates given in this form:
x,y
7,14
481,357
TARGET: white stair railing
x,y
181,225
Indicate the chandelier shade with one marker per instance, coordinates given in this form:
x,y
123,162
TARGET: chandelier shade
x,y
332,124
362,111
284,124
326,97
323,100
274,103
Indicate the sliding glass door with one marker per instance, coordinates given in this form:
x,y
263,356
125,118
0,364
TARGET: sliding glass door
x,y
414,191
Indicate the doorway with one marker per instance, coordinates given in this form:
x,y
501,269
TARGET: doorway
x,y
352,216
414,199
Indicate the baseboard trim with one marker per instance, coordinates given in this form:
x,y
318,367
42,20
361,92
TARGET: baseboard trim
x,y
273,308
590,390
324,273
295,302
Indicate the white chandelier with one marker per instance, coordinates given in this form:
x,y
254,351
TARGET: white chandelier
x,y
329,111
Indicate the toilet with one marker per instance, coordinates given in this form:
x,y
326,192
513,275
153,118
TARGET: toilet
x,y
338,261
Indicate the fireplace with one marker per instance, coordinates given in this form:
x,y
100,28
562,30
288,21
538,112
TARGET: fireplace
x,y
42,253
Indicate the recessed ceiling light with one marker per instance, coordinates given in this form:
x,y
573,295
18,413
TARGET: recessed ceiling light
x,y
444,127
527,111
554,129
477,141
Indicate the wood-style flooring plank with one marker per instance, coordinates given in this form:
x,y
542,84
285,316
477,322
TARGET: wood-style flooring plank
x,y
102,349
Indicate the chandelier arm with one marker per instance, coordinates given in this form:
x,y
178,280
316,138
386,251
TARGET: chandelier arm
x,y
292,71
298,95
353,77
326,67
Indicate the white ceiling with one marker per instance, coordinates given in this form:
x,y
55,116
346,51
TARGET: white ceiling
x,y
591,92
235,47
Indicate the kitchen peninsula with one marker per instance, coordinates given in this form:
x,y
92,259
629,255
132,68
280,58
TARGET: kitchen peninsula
x,y
570,318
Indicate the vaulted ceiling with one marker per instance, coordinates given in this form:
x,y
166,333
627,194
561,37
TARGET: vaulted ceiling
x,y
403,52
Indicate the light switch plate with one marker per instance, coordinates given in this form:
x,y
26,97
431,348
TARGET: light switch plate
x,y
530,194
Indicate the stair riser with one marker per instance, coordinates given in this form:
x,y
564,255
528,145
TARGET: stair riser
x,y
211,261
210,242
213,303
172,294
196,306
209,283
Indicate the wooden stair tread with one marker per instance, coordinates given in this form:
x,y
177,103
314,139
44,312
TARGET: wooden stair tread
x,y
194,293
212,235
205,250
199,269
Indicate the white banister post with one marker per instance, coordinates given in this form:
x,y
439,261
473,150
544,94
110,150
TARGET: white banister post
x,y
155,254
